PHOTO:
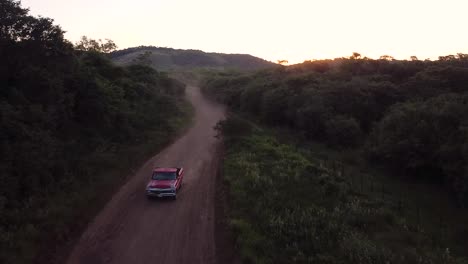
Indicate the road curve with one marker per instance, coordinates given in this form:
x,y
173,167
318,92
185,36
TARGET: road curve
x,y
132,229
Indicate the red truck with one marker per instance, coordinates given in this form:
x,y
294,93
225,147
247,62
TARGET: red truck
x,y
165,182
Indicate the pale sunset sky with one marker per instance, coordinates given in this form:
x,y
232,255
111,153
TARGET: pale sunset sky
x,y
295,30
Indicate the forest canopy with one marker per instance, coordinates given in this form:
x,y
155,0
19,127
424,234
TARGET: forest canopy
x,y
410,116
66,114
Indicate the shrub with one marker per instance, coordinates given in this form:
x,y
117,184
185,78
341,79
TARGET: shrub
x,y
343,131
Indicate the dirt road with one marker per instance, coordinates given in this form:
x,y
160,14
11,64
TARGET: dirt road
x,y
132,229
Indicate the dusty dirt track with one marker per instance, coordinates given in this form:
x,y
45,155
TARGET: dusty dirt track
x,y
132,229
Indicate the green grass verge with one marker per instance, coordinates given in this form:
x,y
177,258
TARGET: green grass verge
x,y
289,204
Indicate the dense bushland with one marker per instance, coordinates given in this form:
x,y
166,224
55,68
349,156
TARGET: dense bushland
x,y
288,205
410,116
71,124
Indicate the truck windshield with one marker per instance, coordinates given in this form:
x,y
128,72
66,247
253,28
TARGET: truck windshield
x,y
158,175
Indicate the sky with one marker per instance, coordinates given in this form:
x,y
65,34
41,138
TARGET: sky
x,y
293,30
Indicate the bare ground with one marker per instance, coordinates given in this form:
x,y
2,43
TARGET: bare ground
x,y
132,229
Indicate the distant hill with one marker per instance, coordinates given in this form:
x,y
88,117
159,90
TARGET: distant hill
x,y
172,59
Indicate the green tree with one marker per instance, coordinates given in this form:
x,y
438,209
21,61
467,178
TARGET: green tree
x,y
387,58
283,62
426,139
88,44
355,56
63,119
343,131
144,58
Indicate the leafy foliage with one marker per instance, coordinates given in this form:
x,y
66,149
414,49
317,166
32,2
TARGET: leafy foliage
x,y
67,117
288,207
87,44
410,115
428,138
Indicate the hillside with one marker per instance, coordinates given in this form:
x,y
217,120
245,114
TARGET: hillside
x,y
173,59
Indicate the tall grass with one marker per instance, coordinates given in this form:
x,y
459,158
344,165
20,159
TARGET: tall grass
x,y
288,206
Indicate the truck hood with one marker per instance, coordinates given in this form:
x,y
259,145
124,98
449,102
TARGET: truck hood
x,y
163,184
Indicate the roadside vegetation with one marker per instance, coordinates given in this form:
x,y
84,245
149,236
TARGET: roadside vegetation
x,y
410,117
355,161
72,126
290,203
